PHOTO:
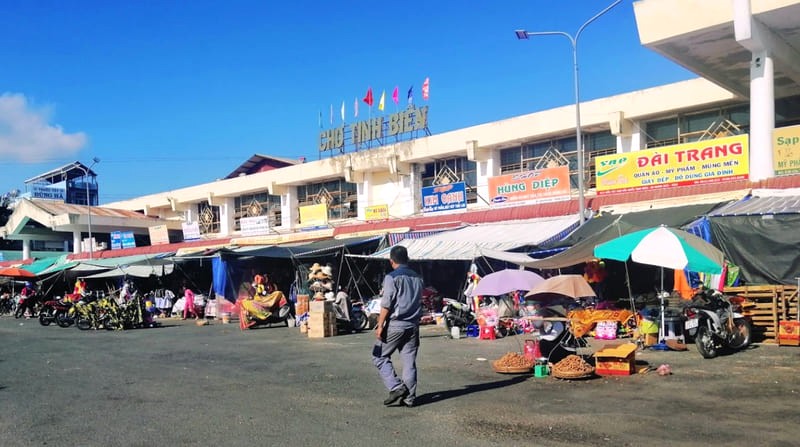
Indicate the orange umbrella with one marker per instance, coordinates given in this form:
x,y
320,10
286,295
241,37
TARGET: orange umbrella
x,y
15,272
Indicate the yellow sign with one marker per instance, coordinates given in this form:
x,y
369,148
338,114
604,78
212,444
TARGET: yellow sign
x,y
158,235
376,212
710,161
314,215
786,150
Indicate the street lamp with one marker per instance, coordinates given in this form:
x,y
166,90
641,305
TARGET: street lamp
x,y
95,160
522,34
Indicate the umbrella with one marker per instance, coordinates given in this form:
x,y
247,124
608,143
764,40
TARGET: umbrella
x,y
18,273
506,281
664,247
572,286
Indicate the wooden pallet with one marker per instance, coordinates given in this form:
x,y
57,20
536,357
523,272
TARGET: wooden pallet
x,y
772,305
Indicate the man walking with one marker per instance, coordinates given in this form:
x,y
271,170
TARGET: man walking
x,y
398,328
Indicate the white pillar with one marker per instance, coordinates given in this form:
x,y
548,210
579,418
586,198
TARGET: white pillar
x,y
76,241
66,246
290,213
363,195
226,216
485,169
26,249
762,115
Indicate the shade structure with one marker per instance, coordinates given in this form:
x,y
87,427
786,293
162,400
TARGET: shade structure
x,y
572,286
664,247
506,281
16,272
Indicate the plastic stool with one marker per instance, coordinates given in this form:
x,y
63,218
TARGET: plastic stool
x,y
487,333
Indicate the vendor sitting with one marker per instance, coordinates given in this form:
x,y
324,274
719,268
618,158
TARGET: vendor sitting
x,y
260,305
551,333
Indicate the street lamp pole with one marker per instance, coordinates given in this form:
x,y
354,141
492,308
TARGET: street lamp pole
x,y
573,40
95,160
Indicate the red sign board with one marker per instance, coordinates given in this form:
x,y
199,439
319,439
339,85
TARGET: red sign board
x,y
549,183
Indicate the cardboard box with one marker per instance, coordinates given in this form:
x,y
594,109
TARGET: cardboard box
x,y
616,361
322,331
789,333
320,306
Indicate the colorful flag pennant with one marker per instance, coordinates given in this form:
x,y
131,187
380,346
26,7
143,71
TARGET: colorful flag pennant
x,y
411,95
395,96
382,102
342,111
426,86
368,99
355,108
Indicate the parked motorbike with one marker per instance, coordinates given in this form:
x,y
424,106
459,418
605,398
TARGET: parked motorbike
x,y
457,314
56,311
30,303
716,322
280,312
8,305
372,310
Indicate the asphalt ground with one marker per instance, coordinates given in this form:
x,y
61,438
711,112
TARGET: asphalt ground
x,y
182,384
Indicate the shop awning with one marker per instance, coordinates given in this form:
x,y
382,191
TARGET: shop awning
x,y
138,271
41,265
468,242
301,250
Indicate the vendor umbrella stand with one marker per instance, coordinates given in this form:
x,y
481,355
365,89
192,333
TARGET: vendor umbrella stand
x,y
506,281
664,247
16,273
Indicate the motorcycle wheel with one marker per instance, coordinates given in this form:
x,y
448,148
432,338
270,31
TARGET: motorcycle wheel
x,y
46,316
742,334
705,343
372,321
362,322
83,324
62,319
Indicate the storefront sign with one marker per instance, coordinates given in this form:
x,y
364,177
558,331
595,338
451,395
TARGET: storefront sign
x,y
254,226
314,215
376,212
273,239
408,122
56,191
191,231
542,184
786,150
128,241
444,197
116,240
159,235
710,161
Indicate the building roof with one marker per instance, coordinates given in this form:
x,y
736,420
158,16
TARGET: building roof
x,y
763,202
76,168
257,159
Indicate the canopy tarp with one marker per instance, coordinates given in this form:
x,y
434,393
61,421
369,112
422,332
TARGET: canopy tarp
x,y
138,271
316,248
467,243
39,265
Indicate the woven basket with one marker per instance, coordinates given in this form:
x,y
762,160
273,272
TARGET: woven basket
x,y
571,375
506,370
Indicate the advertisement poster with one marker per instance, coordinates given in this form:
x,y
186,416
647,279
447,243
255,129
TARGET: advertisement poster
x,y
254,226
376,212
128,240
444,197
191,231
116,240
56,191
159,235
314,215
709,161
786,150
542,184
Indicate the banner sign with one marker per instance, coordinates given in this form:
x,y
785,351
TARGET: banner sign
x,y
191,231
406,124
254,226
159,235
376,212
548,183
709,161
786,150
444,197
314,215
128,241
56,191
116,240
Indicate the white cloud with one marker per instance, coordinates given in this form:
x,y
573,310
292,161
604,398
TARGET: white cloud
x,y
26,135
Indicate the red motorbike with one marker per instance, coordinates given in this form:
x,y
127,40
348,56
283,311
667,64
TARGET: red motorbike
x,y
55,311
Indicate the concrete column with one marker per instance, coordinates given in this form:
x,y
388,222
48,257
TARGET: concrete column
x,y
76,241
226,218
486,169
26,249
762,115
364,194
290,213
66,246
633,142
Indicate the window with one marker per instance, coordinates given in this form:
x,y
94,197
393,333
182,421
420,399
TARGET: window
x,y
208,218
340,196
453,170
254,205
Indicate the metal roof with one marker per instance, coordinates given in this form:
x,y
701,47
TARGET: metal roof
x,y
75,166
257,159
760,205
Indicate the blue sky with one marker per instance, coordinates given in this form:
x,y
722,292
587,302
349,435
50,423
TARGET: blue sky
x,y
170,94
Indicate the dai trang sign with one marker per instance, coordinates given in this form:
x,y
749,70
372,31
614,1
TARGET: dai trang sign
x,y
710,161
542,184
444,197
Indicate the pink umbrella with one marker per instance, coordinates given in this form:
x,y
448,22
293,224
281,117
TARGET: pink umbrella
x,y
506,281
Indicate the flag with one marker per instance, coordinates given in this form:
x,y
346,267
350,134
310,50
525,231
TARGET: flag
x,y
426,86
355,107
368,98
320,119
331,114
395,96
342,111
410,95
382,102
